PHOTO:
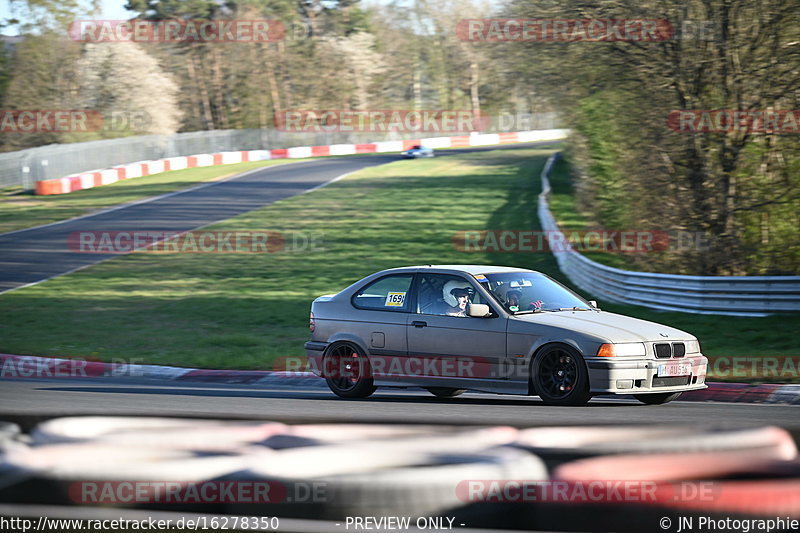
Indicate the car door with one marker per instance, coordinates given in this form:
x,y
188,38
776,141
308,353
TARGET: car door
x,y
382,308
458,347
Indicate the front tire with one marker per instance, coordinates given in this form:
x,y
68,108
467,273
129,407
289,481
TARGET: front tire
x,y
445,392
347,372
560,377
657,399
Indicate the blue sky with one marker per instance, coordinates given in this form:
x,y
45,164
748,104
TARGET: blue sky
x,y
112,10
115,10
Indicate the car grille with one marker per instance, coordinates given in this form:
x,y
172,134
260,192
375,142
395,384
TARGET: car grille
x,y
670,382
665,350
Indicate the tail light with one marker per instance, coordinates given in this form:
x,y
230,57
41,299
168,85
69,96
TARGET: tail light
x,y
311,323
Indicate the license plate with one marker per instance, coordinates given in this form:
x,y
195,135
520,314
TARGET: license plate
x,y
675,369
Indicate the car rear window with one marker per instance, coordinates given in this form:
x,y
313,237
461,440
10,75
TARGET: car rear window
x,y
390,293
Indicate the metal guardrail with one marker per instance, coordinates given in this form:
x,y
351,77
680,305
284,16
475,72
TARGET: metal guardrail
x,y
716,295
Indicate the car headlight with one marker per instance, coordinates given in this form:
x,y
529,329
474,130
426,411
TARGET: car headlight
x,y
692,346
624,349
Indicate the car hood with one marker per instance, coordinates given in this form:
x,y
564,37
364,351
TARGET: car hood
x,y
608,326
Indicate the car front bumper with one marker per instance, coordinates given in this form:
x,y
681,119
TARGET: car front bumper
x,y
609,375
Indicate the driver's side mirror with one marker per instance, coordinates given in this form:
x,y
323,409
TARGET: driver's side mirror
x,y
479,311
593,303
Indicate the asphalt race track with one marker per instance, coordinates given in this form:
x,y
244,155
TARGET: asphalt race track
x,y
294,403
36,254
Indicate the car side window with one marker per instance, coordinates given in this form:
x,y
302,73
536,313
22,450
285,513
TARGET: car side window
x,y
390,293
443,294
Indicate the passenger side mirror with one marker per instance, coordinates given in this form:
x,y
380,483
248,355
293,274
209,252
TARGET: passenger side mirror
x,y
479,310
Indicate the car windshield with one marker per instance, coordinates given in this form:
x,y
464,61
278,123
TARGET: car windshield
x,y
528,292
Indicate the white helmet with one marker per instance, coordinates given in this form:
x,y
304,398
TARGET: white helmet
x,y
452,286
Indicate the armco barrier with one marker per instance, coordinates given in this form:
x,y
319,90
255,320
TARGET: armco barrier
x,y
717,295
96,178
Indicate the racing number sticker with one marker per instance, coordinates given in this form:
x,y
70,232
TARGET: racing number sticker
x,y
395,299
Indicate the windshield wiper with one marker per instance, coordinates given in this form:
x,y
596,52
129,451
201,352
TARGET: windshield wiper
x,y
576,308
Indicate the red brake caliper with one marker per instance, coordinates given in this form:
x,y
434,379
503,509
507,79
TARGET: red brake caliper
x,y
353,374
568,387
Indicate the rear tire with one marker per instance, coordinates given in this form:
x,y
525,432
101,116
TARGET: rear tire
x,y
445,392
657,399
559,376
347,372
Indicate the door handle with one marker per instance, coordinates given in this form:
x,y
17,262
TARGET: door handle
x,y
419,324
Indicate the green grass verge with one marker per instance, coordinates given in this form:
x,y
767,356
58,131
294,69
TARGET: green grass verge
x,y
243,311
565,210
26,210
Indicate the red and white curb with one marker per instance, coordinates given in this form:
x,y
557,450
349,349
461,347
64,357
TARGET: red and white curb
x,y
31,366
97,178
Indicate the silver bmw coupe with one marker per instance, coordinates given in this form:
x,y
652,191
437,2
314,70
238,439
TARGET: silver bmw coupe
x,y
453,328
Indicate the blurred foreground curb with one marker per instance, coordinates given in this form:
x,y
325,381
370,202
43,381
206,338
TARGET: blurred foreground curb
x,y
31,366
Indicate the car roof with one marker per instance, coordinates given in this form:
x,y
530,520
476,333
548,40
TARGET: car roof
x,y
466,269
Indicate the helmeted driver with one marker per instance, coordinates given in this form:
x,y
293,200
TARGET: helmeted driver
x,y
456,296
513,297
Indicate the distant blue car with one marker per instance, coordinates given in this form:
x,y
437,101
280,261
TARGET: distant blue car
x,y
417,151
